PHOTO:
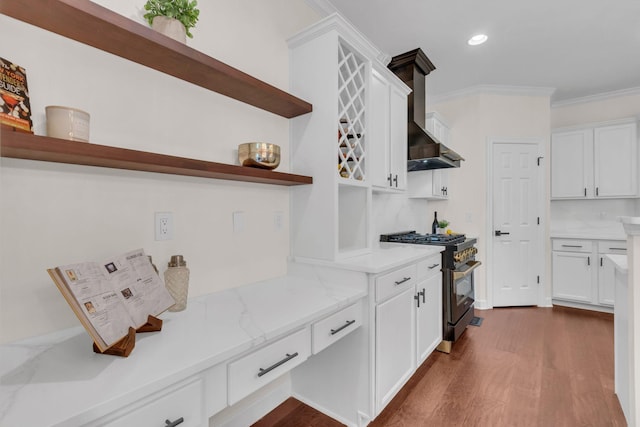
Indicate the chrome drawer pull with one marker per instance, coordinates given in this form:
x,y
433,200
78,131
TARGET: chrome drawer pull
x,y
406,279
433,266
275,365
617,249
349,323
173,423
571,246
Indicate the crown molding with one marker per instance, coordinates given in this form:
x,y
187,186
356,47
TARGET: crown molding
x,y
322,7
597,97
492,90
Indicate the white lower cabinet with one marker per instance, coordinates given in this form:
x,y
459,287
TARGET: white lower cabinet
x,y
428,307
395,344
580,272
183,401
260,367
408,315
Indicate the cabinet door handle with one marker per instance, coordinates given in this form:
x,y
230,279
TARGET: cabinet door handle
x,y
173,423
389,179
585,192
571,246
275,365
417,298
431,267
423,297
588,260
597,188
349,323
600,261
400,282
395,179
617,249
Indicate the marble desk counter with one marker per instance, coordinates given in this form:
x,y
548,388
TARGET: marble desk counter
x,y
57,379
385,257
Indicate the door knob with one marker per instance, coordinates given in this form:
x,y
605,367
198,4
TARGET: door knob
x,y
500,233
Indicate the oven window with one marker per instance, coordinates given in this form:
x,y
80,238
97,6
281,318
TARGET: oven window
x,y
463,289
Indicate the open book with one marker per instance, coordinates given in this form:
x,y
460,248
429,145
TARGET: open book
x,y
111,296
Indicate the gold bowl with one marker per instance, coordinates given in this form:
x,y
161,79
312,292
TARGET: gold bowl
x,y
259,155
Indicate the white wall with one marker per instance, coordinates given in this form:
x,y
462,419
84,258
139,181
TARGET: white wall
x,y
52,214
474,120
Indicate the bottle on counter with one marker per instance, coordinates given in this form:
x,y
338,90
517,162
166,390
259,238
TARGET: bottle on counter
x,y
434,225
176,279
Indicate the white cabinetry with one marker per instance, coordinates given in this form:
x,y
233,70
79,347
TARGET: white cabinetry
x,y
595,162
606,270
431,184
573,277
348,143
395,332
408,320
260,367
580,272
428,307
181,404
388,131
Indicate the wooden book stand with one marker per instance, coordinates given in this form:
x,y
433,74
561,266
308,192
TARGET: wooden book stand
x,y
124,347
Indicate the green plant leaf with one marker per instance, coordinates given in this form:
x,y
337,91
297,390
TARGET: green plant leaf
x,y
184,11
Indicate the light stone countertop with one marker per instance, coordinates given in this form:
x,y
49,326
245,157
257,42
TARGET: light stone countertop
x,y
620,262
386,256
49,379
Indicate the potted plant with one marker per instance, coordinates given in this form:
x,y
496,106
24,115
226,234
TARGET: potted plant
x,y
173,18
442,226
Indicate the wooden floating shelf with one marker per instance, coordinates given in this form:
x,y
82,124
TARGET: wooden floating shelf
x,y
94,25
21,145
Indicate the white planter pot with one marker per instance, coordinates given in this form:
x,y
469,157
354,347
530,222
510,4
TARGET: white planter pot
x,y
170,27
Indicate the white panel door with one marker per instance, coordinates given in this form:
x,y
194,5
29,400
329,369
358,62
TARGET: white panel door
x,y
616,161
515,218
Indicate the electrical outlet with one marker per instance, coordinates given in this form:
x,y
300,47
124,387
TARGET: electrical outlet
x,y
238,222
278,220
164,225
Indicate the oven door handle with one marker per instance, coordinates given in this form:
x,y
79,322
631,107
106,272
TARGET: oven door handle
x,y
457,275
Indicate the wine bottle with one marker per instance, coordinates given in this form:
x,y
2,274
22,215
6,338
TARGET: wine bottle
x,y
434,225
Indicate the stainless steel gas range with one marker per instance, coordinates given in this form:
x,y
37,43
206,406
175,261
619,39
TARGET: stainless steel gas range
x,y
458,263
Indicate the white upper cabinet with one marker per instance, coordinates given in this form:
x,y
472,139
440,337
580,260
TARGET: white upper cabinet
x,y
595,162
434,183
388,131
349,144
616,160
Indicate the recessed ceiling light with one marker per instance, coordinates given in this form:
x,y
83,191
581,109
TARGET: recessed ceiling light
x,y
477,39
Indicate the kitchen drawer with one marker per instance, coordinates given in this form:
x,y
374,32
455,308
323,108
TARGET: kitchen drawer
x,y
569,245
391,283
430,267
182,401
612,247
257,369
329,330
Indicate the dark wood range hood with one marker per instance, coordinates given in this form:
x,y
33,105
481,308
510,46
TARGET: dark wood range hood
x,y
425,151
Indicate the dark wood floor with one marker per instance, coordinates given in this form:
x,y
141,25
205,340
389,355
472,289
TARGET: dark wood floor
x,y
523,367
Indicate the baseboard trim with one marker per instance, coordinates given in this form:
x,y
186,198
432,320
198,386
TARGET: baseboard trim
x,y
583,306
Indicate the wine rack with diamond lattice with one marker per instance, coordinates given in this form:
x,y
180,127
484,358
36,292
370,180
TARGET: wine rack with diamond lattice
x,y
351,115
